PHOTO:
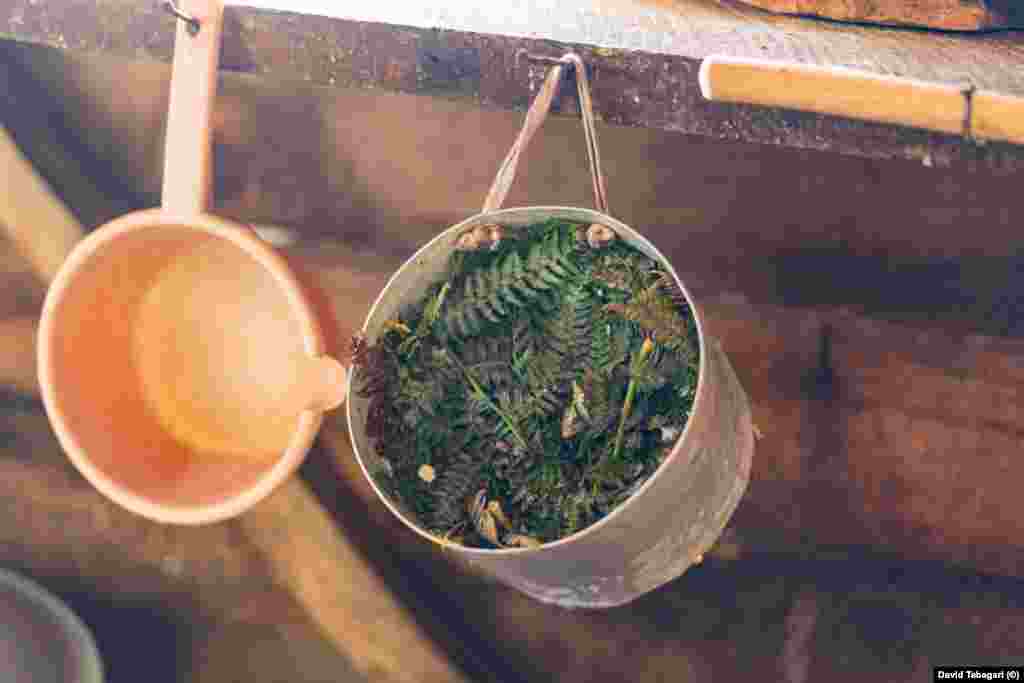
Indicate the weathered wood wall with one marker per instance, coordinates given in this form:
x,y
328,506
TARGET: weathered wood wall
x,y
798,257
781,245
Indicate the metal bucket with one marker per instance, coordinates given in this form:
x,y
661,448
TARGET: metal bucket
x,y
679,512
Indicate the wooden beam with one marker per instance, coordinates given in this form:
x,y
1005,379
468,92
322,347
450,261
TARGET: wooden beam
x,y
35,220
57,522
18,355
643,56
342,592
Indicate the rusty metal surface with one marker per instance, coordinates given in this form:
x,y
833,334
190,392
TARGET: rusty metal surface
x,y
667,525
643,54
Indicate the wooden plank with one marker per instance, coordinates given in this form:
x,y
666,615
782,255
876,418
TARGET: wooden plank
x,y
57,521
283,561
644,59
285,652
18,355
33,218
829,616
716,623
947,15
196,597
906,442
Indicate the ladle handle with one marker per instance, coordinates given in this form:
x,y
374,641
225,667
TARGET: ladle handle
x,y
187,153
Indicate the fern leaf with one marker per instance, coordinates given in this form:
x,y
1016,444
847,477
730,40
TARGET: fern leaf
x,y
454,485
597,396
653,310
601,344
671,288
492,292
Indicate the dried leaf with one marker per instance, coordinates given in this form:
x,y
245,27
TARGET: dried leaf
x,y
494,507
357,347
397,326
483,520
426,473
669,434
450,540
570,425
599,235
669,285
657,314
495,233
521,541
474,239
579,400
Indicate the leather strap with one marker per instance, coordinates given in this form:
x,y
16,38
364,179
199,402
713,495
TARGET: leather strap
x,y
535,117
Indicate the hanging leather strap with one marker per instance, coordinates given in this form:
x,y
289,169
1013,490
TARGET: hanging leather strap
x,y
535,117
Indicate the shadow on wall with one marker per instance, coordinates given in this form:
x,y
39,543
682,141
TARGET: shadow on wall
x,y
986,290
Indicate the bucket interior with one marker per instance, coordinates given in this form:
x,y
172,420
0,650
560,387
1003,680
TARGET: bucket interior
x,y
427,267
174,350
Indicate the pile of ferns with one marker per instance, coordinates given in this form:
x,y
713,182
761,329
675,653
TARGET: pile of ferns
x,y
531,390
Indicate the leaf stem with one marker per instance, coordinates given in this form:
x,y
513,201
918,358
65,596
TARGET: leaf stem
x,y
627,407
479,393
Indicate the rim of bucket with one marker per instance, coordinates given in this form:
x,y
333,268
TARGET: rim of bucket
x,y
496,217
90,664
312,338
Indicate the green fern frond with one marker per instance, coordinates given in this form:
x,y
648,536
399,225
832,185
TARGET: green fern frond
x,y
574,515
425,324
601,360
668,285
492,293
476,378
620,268
455,483
597,395
655,311
559,352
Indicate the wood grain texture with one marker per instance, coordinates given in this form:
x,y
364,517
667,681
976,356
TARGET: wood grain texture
x,y
828,90
175,604
18,355
31,216
832,616
947,15
643,54
857,94
57,521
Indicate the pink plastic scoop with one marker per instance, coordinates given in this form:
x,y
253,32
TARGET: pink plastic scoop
x,y
181,360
